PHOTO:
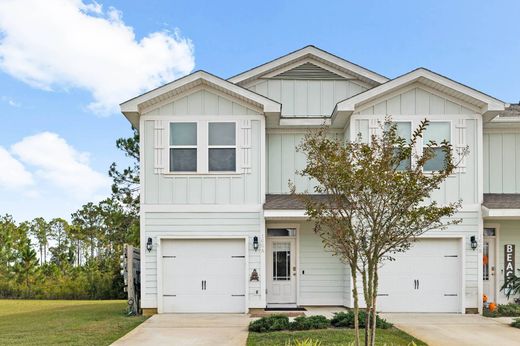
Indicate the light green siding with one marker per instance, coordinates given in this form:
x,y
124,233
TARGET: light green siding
x,y
416,105
323,277
201,189
202,102
501,162
304,98
416,101
196,224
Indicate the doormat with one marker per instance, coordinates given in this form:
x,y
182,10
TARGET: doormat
x,y
285,309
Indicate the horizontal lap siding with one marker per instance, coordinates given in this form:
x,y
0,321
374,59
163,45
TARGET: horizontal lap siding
x,y
325,278
199,224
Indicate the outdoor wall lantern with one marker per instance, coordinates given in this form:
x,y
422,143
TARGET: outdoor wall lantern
x,y
474,243
255,243
149,244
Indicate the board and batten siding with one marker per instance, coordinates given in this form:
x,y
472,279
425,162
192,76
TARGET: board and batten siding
x,y
200,224
307,98
417,104
501,161
240,188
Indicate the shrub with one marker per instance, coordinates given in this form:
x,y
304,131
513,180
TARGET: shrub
x,y
504,310
509,310
269,324
311,322
516,323
346,320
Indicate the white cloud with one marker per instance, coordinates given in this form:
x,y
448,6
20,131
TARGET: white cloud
x,y
58,44
12,173
57,162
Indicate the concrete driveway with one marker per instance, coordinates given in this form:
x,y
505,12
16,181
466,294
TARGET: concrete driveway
x,y
180,330
452,329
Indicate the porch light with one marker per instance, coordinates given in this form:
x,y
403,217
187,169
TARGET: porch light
x,y
255,243
149,244
474,243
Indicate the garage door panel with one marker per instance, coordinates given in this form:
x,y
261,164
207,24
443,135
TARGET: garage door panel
x,y
219,263
427,278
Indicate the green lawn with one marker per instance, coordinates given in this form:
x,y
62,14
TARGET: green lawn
x,y
330,337
65,322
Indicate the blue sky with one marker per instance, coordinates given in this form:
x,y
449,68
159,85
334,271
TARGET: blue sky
x,y
65,64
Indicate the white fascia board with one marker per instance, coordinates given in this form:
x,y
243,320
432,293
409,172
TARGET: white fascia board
x,y
500,213
277,214
350,104
312,51
130,107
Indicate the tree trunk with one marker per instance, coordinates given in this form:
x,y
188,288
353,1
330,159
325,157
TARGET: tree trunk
x,y
355,294
374,305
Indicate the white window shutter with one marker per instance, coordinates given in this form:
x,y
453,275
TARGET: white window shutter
x,y
461,144
245,146
160,147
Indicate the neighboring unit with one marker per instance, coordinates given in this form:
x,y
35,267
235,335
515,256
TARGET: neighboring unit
x,y
226,236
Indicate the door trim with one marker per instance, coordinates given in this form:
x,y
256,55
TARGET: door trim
x,y
159,239
296,226
496,226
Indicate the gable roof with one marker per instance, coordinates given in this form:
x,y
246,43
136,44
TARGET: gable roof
x,y
486,103
133,107
317,54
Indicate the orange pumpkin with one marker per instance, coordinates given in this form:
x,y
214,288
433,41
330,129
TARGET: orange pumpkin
x,y
492,307
484,298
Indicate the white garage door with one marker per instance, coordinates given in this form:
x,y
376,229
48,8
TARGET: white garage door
x,y
203,275
427,278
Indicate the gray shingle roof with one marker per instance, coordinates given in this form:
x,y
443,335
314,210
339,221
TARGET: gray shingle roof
x,y
502,200
289,201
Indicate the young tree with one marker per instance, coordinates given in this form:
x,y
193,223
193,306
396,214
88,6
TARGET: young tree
x,y
378,200
26,265
125,186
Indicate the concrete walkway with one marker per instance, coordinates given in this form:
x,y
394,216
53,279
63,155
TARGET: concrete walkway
x,y
181,330
459,330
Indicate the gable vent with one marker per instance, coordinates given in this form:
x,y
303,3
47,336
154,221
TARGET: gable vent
x,y
308,71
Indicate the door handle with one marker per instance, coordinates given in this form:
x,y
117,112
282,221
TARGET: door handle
x,y
204,285
417,284
414,284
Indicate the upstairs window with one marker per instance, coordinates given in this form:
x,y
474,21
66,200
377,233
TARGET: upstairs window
x,y
183,147
404,130
436,131
222,148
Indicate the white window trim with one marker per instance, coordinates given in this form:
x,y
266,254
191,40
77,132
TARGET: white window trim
x,y
196,146
203,148
208,147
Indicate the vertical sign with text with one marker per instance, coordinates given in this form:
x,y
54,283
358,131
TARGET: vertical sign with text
x,y
509,261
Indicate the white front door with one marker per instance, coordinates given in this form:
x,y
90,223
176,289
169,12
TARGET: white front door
x,y
281,270
489,264
203,275
426,278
